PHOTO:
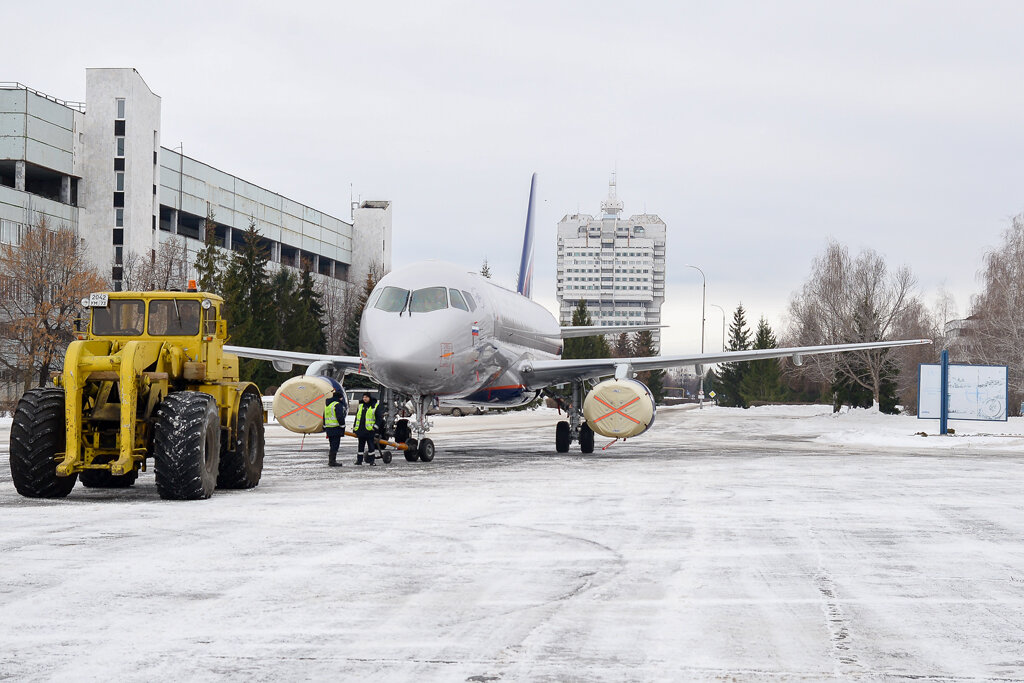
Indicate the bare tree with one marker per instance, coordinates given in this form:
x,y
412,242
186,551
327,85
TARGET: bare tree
x,y
164,268
339,298
42,279
915,322
848,300
997,327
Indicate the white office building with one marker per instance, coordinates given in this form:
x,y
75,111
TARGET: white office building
x,y
98,166
615,264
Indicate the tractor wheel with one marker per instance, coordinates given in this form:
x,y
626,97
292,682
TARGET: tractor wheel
x,y
241,467
562,437
586,438
103,479
186,446
37,436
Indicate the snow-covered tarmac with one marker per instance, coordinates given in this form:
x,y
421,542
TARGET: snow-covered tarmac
x,y
770,544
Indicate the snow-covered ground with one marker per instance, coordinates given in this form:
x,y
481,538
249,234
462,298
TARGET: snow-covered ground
x,y
776,543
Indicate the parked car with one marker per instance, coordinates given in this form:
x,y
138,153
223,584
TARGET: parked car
x,y
356,395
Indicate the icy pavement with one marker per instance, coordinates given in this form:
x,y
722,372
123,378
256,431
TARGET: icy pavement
x,y
770,544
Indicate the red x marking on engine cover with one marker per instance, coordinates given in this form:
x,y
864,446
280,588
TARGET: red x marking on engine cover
x,y
302,406
617,410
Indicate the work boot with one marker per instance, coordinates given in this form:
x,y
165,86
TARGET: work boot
x,y
333,463
359,459
370,460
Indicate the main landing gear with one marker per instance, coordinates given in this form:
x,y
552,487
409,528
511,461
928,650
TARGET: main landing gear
x,y
575,429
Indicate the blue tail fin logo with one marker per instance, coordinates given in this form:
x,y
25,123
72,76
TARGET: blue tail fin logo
x,y
526,262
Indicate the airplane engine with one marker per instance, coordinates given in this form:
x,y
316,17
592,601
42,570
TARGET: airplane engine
x,y
619,408
299,403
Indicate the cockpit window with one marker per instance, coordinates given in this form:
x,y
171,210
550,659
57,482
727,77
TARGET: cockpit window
x,y
457,300
428,299
469,300
120,317
392,299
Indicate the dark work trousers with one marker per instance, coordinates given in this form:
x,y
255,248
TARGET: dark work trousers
x,y
366,439
334,439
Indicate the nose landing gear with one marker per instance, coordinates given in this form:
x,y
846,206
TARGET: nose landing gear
x,y
419,446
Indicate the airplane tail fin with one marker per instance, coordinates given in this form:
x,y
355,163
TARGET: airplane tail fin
x,y
526,262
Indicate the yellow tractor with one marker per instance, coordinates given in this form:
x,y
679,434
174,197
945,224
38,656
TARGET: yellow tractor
x,y
148,377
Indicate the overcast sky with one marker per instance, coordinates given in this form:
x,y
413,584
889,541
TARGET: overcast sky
x,y
757,131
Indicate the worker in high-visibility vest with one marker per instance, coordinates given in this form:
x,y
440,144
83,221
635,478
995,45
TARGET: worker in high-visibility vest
x,y
364,428
334,425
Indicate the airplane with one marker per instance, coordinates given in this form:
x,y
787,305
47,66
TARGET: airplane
x,y
431,332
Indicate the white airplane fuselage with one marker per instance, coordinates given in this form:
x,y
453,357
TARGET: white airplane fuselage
x,y
464,349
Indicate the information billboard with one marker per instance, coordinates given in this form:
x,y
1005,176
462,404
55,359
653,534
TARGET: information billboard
x,y
976,392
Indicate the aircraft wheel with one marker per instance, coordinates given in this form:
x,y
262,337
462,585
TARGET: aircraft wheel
x,y
562,437
412,455
586,438
426,450
386,457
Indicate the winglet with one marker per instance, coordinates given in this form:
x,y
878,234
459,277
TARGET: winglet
x,y
526,262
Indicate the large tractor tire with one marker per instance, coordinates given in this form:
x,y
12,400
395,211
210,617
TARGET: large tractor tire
x,y
37,436
103,479
241,467
186,446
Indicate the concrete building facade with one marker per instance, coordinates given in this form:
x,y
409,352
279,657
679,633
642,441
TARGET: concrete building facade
x,y
615,264
99,167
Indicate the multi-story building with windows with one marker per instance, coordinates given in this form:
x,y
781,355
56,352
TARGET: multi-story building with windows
x,y
615,264
99,167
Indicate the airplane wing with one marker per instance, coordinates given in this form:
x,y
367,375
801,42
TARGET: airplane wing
x,y
595,330
284,360
538,374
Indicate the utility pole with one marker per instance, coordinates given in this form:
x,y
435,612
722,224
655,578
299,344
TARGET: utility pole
x,y
703,317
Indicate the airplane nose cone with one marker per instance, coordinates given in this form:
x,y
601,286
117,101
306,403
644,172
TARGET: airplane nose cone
x,y
412,354
396,359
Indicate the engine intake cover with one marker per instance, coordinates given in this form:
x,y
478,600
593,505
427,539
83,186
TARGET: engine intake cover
x,y
619,408
299,403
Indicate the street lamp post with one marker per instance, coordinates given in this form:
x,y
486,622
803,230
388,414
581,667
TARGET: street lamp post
x,y
703,309
723,323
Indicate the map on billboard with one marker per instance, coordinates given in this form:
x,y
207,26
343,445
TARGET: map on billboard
x,y
976,392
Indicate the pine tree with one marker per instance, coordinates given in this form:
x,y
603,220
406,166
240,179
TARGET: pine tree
x,y
731,375
761,378
307,328
623,346
594,346
209,262
247,294
350,346
643,345
485,270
